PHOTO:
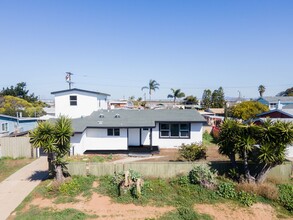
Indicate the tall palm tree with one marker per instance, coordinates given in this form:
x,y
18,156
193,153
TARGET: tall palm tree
x,y
176,94
261,90
153,85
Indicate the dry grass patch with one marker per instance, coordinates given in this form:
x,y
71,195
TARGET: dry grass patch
x,y
266,190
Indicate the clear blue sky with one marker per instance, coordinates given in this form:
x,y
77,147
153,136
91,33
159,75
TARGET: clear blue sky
x,y
116,47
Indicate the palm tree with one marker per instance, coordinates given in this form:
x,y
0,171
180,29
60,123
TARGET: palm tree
x,y
54,138
261,90
176,94
153,85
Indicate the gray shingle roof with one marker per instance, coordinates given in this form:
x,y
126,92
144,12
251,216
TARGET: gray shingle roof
x,y
277,98
79,90
134,118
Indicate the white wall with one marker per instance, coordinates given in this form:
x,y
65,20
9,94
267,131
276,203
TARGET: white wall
x,y
86,104
145,137
97,139
195,136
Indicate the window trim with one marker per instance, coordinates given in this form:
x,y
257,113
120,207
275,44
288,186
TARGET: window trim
x,y
4,125
169,130
73,100
115,132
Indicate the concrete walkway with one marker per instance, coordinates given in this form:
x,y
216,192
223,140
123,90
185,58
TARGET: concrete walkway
x,y
15,188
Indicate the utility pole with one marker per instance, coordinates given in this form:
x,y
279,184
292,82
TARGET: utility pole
x,y
68,79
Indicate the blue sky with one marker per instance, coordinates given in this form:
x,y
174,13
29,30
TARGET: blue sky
x,y
116,47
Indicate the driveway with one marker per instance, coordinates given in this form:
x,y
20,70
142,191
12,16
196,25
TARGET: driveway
x,y
16,187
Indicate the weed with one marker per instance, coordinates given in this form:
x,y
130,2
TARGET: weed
x,y
202,175
286,196
245,198
184,213
227,190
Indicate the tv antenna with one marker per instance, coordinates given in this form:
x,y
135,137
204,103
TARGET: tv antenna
x,y
68,79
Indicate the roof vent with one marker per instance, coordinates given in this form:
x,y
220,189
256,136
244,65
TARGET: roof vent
x,y
100,122
101,116
117,116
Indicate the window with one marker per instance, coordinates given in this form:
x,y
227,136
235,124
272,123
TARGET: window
x,y
4,127
175,130
73,100
113,132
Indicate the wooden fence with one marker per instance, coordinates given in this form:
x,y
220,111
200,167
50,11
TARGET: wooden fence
x,y
163,169
16,147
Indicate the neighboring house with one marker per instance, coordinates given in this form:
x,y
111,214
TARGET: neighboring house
x,y
76,103
276,102
10,125
277,113
118,130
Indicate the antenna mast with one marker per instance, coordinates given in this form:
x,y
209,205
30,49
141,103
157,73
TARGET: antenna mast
x,y
68,79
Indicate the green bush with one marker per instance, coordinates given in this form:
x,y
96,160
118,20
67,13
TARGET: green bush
x,y
192,152
286,196
227,190
202,175
246,198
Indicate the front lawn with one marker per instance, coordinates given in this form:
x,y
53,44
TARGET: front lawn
x,y
9,165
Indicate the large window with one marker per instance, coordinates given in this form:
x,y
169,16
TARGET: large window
x,y
174,130
113,132
4,127
73,100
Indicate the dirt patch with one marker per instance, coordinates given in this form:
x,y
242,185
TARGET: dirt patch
x,y
173,155
105,209
232,212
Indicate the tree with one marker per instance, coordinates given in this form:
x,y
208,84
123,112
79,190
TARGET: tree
x,y
261,90
153,85
10,105
264,145
206,99
218,99
19,91
287,92
176,93
54,138
190,100
247,110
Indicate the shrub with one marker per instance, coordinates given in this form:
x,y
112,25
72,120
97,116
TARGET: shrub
x,y
202,175
266,190
286,196
245,198
192,152
227,190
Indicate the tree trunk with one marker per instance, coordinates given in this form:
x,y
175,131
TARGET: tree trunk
x,y
233,160
262,175
59,174
247,175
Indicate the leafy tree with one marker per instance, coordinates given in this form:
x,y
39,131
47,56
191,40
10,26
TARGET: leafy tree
x,y
287,92
10,105
153,85
54,138
207,99
176,93
261,90
247,110
218,99
19,91
190,100
264,145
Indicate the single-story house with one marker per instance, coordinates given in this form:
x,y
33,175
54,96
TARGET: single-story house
x,y
16,125
118,130
276,102
78,102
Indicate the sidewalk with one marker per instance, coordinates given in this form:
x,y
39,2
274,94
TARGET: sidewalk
x,y
15,188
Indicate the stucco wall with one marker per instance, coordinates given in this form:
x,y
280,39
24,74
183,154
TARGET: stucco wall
x,y
195,136
86,104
